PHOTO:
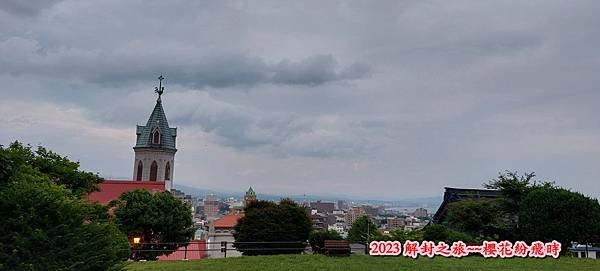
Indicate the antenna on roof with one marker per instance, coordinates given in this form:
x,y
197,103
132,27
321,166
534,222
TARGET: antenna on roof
x,y
160,89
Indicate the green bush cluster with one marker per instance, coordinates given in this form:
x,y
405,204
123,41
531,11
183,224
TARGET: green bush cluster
x,y
46,222
285,223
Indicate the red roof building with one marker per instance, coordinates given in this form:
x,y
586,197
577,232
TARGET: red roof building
x,y
112,189
227,222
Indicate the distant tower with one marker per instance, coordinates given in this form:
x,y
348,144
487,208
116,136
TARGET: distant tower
x,y
155,146
249,197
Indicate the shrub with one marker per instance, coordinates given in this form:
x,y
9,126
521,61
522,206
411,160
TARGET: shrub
x,y
266,221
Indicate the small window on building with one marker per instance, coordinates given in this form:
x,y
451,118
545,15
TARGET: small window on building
x,y
156,137
168,171
153,171
140,169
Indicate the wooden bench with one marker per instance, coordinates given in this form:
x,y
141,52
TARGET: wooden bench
x,y
336,247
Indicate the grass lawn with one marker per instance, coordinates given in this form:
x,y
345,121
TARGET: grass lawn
x,y
362,262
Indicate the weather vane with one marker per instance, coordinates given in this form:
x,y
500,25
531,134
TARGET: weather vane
x,y
160,89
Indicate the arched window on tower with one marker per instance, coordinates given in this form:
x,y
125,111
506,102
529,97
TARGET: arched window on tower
x,y
156,137
168,171
140,168
153,171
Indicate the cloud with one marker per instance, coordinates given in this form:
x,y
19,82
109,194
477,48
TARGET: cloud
x,y
316,70
186,65
68,131
28,8
255,130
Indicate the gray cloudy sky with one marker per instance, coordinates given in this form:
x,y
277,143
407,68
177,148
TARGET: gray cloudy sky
x,y
365,98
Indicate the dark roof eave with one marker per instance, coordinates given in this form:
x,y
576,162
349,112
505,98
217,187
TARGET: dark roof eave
x,y
155,148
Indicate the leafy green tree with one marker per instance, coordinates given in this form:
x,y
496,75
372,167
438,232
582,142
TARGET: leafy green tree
x,y
161,221
481,218
402,235
5,167
551,213
514,188
440,233
436,233
317,239
59,169
46,226
266,221
363,230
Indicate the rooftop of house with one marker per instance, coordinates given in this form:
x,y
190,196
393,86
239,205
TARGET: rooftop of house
x,y
112,189
228,221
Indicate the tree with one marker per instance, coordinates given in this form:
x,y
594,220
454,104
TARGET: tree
x,y
265,221
59,169
5,167
317,239
435,232
514,188
45,226
362,231
551,213
440,233
161,221
401,235
481,218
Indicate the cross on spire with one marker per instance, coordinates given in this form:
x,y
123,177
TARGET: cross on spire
x,y
160,89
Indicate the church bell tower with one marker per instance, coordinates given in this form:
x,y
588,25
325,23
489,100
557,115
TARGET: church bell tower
x,y
155,146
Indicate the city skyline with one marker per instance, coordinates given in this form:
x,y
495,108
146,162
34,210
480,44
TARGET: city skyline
x,y
394,100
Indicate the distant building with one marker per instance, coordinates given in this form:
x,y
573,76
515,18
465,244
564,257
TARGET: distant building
x,y
342,205
199,210
211,206
373,210
319,221
458,194
250,196
339,228
338,212
182,196
353,214
323,207
395,223
420,212
236,207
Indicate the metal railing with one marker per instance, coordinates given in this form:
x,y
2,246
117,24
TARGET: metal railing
x,y
221,246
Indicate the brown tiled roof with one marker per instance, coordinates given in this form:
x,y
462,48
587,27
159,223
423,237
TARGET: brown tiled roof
x,y
111,189
228,221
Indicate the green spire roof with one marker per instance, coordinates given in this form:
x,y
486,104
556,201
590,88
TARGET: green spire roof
x,y
250,192
156,122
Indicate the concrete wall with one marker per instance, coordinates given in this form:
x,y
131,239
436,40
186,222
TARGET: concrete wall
x,y
214,243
